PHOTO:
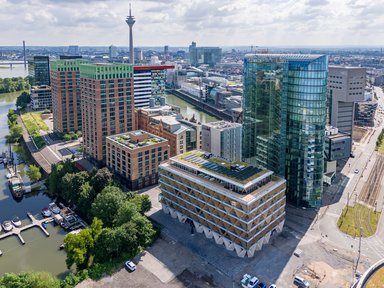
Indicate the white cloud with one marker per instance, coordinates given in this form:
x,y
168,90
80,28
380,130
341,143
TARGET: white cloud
x,y
178,22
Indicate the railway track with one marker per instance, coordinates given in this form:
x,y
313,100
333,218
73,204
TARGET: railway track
x,y
371,188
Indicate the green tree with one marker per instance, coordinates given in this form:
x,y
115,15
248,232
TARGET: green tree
x,y
23,100
29,279
34,173
67,137
55,178
12,117
145,232
125,213
142,202
107,203
15,133
101,179
71,186
85,199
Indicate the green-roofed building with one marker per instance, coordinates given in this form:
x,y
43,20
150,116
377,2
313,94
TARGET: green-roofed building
x,y
65,82
107,105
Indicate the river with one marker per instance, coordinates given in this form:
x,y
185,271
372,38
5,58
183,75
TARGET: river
x,y
16,71
187,109
40,253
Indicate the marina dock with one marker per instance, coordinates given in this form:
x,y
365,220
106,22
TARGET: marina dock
x,y
16,231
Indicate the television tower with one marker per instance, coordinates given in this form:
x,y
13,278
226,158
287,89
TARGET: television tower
x,y
130,21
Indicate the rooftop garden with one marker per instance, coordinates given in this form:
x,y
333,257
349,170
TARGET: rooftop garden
x,y
126,140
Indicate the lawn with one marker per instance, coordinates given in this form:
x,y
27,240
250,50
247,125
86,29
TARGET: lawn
x,y
381,148
377,280
34,123
352,218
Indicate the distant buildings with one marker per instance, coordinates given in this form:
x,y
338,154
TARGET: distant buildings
x,y
284,111
149,81
239,208
204,55
345,87
112,52
163,121
135,156
106,104
73,50
41,97
66,96
38,69
223,139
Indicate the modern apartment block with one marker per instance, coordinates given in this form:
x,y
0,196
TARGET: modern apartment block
x,y
284,117
204,55
183,135
240,207
106,105
365,112
66,97
222,139
41,97
345,87
149,81
135,157
38,69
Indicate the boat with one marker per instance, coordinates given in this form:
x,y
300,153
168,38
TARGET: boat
x,y
16,221
5,160
1,253
62,246
16,186
44,225
46,212
1,228
54,208
7,226
9,176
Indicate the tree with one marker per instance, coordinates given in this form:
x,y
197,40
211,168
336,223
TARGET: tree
x,y
101,179
23,100
55,178
125,213
29,279
71,185
15,134
85,199
67,137
145,232
107,203
12,117
34,173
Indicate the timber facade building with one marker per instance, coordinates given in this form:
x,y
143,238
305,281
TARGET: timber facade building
x,y
239,206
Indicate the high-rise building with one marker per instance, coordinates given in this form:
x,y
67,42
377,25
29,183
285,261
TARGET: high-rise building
x,y
113,52
149,82
107,105
41,97
66,100
135,157
345,87
130,21
222,139
284,108
240,207
38,69
204,55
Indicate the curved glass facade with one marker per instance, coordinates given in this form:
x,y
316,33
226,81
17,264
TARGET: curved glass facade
x,y
284,108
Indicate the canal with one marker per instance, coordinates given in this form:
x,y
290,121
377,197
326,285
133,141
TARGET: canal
x,y
188,110
40,253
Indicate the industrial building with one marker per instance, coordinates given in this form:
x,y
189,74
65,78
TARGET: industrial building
x,y
135,156
240,207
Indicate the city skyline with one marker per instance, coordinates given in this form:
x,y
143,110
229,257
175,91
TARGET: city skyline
x,y
177,22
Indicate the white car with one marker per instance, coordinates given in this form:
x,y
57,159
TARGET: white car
x,y
130,266
272,286
356,171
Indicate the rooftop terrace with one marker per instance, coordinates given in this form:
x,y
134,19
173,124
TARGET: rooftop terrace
x,y
136,139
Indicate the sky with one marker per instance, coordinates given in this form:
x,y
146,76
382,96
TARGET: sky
x,y
179,22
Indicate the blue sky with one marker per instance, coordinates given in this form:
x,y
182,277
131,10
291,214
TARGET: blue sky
x,y
208,22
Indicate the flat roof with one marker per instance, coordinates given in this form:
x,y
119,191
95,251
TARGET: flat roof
x,y
222,124
243,174
286,56
125,139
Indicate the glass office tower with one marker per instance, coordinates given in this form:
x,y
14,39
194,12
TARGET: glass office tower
x,y
284,108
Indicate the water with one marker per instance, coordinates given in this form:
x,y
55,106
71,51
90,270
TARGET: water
x,y
39,253
187,109
16,71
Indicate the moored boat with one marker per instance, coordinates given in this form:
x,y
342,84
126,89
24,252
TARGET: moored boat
x,y
16,221
7,226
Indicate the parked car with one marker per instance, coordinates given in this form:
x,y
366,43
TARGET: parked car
x,y
356,171
253,282
245,280
272,286
300,282
262,285
130,266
